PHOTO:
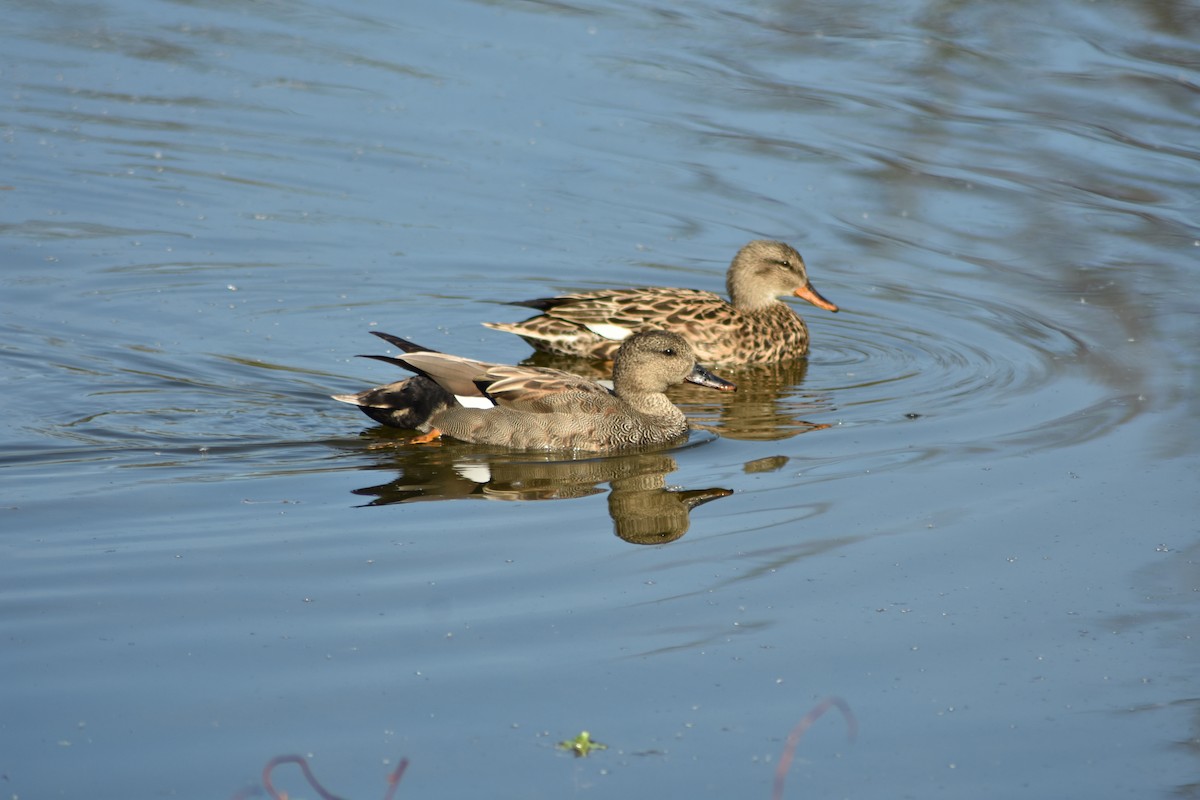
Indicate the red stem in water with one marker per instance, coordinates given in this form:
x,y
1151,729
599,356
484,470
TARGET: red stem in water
x,y
789,749
301,762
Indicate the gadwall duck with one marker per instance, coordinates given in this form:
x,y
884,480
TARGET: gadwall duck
x,y
535,408
755,327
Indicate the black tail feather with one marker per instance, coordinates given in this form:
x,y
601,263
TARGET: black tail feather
x,y
408,404
403,344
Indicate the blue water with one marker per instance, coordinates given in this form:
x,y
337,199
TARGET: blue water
x,y
971,513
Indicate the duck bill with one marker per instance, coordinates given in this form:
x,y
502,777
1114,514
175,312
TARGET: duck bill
x,y
703,377
807,292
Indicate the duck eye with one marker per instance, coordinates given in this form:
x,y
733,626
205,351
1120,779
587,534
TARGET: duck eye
x,y
670,351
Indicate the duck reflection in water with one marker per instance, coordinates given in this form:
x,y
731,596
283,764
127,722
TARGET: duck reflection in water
x,y
643,509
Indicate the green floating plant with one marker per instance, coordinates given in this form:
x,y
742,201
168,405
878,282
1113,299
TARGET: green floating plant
x,y
581,745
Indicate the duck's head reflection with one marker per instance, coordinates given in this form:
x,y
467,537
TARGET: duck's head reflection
x,y
643,509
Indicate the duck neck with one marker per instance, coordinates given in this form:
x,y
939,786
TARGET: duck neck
x,y
656,405
747,298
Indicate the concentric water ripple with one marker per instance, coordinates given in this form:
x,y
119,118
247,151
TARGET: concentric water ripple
x,y
880,363
984,351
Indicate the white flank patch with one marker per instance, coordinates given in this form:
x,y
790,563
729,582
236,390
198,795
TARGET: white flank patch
x,y
614,332
474,402
476,473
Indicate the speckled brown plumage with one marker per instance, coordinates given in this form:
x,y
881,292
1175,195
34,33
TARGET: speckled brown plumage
x,y
755,327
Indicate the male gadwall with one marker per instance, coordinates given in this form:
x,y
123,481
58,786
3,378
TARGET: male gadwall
x,y
534,408
754,328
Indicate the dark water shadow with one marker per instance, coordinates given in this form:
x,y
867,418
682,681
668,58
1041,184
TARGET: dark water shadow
x,y
767,405
642,507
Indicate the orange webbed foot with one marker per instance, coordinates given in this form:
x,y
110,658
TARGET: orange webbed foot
x,y
425,438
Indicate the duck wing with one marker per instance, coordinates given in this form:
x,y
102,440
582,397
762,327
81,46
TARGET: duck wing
x,y
482,384
457,375
541,390
616,314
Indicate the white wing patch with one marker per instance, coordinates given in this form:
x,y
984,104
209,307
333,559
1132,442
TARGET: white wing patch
x,y
473,401
614,332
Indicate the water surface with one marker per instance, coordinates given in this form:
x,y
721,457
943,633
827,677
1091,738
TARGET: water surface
x,y
971,512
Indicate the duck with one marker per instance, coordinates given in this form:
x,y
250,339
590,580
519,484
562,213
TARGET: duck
x,y
538,408
753,327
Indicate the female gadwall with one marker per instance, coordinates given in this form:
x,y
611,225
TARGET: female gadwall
x,y
534,408
754,328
